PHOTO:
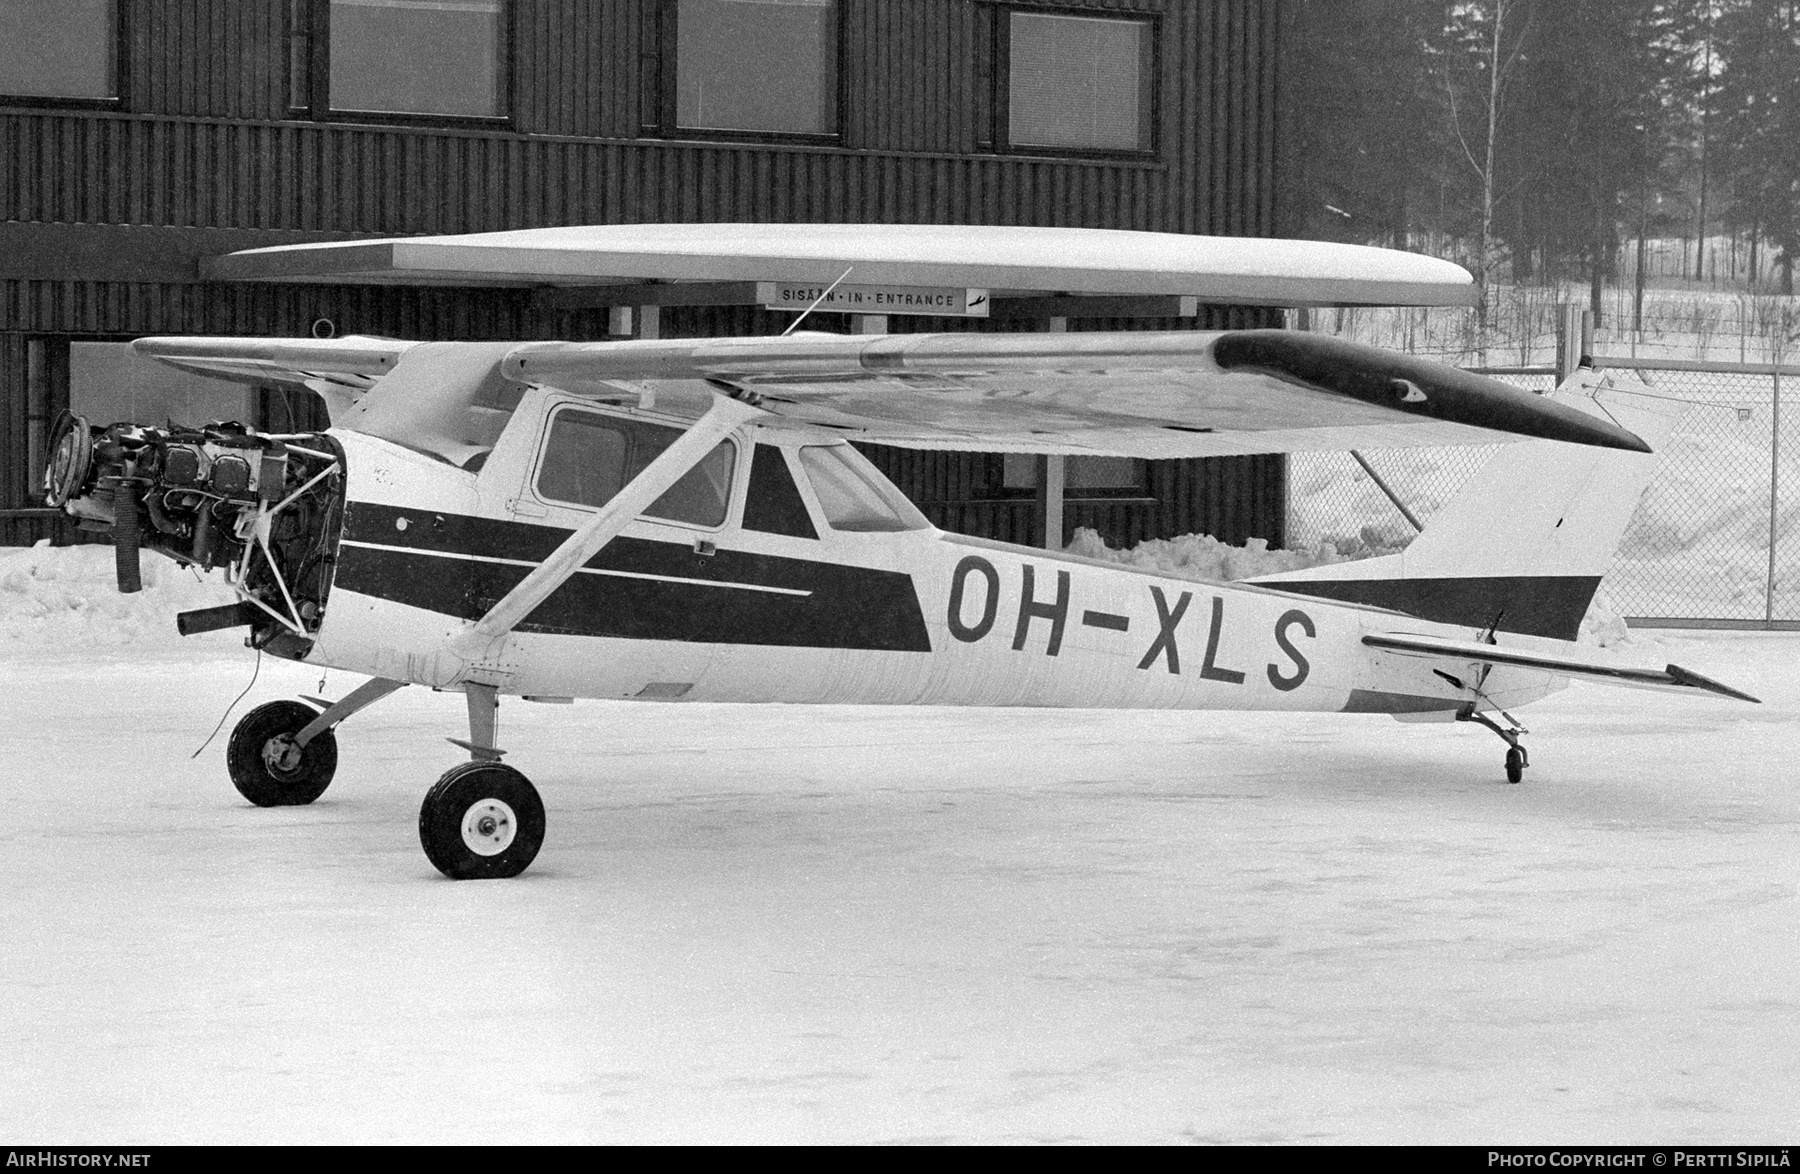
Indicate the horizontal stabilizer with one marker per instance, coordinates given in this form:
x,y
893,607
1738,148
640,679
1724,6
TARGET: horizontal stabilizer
x,y
1562,664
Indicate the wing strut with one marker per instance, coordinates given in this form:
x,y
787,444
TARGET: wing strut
x,y
675,463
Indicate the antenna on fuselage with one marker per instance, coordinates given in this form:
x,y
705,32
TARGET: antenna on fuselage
x,y
796,322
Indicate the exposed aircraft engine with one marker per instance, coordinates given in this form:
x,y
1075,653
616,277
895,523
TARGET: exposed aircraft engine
x,y
265,509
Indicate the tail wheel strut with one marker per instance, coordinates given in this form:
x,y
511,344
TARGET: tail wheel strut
x,y
1516,757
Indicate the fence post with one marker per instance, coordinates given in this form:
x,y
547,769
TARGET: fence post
x,y
1774,493
1574,339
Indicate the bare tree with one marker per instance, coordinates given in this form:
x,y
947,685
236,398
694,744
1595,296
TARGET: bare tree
x,y
1484,24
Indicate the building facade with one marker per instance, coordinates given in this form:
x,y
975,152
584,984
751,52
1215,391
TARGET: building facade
x,y
139,138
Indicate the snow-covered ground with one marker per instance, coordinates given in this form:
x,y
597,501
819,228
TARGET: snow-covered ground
x,y
815,924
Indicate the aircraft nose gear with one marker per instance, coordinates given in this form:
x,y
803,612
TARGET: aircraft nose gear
x,y
269,766
481,820
283,754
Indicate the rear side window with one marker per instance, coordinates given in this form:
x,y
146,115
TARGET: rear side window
x,y
772,503
854,497
589,457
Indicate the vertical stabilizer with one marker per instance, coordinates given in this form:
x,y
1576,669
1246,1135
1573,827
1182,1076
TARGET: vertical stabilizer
x,y
1523,544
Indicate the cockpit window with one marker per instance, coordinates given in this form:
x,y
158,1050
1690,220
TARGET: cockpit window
x,y
853,496
589,457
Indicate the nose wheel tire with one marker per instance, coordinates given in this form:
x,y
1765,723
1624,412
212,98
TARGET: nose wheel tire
x,y
267,768
481,820
1515,764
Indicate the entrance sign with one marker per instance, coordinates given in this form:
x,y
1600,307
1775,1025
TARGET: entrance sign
x,y
938,301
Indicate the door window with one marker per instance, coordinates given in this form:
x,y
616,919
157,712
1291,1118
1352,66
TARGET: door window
x,y
589,457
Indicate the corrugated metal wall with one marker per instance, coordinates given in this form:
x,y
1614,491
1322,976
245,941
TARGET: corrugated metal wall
x,y
203,138
1229,498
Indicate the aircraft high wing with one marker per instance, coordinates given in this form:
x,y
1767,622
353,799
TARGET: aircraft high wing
x,y
683,520
1160,395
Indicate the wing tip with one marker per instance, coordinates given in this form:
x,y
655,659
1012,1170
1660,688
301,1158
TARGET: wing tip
x,y
1415,386
1693,679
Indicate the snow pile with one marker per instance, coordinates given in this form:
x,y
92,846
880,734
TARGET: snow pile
x,y
59,599
1204,558
1603,625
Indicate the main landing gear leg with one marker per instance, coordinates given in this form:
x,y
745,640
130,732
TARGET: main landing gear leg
x,y
284,754
482,819
1516,758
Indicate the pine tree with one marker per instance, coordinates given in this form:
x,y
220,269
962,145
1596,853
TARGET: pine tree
x,y
1758,110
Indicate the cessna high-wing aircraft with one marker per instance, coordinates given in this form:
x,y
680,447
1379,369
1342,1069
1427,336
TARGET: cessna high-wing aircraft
x,y
685,520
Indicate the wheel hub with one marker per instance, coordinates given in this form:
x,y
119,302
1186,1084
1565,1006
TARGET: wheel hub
x,y
488,827
281,755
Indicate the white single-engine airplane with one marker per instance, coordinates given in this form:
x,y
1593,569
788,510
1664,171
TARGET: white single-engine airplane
x,y
685,520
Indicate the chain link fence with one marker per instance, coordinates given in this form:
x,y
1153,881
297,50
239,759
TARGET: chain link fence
x,y
1714,542
1335,499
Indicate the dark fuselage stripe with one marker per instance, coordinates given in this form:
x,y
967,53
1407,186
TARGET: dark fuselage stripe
x,y
635,588
1531,605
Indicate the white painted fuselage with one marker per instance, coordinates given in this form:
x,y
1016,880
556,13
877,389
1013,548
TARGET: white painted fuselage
x,y
903,615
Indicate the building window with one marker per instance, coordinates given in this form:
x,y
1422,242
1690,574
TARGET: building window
x,y
417,58
755,68
1082,476
59,49
1068,83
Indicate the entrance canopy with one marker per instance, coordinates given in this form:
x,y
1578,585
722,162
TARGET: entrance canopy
x,y
880,268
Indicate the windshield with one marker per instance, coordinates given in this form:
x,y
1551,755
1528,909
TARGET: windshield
x,y
852,495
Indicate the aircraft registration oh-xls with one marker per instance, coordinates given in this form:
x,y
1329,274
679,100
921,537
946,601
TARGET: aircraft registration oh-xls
x,y
685,520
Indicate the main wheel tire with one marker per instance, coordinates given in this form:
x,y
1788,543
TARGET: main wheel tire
x,y
481,821
1515,765
262,742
